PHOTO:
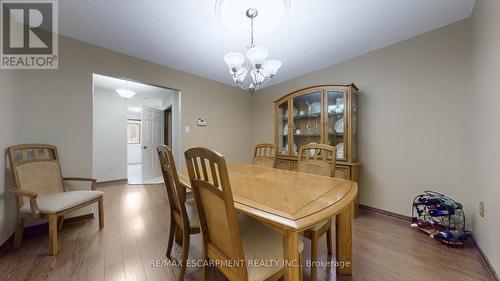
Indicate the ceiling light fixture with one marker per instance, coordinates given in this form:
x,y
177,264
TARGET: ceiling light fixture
x,y
261,70
125,93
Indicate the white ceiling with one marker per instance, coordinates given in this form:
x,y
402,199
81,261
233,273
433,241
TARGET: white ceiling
x,y
189,36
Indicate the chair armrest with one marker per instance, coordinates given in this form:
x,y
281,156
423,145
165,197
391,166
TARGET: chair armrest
x,y
93,181
32,196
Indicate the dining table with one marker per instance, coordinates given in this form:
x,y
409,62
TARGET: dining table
x,y
291,202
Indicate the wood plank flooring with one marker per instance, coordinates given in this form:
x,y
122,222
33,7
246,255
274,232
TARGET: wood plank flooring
x,y
135,236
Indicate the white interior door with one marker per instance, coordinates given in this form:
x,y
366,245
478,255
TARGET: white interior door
x,y
152,136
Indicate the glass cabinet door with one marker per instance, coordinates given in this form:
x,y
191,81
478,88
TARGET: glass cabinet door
x,y
354,128
282,119
306,125
336,129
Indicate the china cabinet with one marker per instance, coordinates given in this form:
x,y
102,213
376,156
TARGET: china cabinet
x,y
325,114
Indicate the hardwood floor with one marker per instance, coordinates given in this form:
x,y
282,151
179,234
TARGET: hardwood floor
x,y
135,235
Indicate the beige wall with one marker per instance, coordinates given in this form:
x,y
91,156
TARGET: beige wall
x,y
9,102
413,114
485,133
109,136
55,106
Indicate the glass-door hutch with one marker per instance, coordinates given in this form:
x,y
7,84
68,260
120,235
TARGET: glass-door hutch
x,y
324,114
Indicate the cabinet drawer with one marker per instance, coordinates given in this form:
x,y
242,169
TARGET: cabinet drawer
x,y
283,164
343,172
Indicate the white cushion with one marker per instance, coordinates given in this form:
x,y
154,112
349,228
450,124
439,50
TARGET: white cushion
x,y
261,243
57,202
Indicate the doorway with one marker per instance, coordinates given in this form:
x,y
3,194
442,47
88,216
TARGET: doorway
x,y
130,120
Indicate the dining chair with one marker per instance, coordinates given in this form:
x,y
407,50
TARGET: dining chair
x,y
318,159
42,192
228,236
183,217
265,155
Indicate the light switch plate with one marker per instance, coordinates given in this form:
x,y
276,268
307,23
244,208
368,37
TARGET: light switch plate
x,y
201,122
187,130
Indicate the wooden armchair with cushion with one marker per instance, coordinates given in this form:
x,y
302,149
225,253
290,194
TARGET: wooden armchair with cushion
x,y
40,190
318,159
265,155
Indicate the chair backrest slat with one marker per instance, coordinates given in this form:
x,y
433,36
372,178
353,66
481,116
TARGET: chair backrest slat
x,y
265,155
215,205
317,159
214,174
175,191
35,168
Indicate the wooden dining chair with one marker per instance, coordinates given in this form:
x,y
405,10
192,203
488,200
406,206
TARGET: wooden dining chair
x,y
183,216
318,159
42,192
226,235
265,155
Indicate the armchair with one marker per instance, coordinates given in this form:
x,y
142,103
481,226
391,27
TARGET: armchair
x,y
40,190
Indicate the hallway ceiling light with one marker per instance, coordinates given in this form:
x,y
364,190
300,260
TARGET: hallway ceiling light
x,y
261,70
125,93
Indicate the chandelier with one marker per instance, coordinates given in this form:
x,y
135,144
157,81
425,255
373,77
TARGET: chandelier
x,y
260,70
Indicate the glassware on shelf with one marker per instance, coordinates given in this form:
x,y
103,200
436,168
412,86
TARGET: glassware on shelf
x,y
316,130
315,108
339,105
339,126
340,150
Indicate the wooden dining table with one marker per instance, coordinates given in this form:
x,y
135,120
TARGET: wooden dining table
x,y
291,202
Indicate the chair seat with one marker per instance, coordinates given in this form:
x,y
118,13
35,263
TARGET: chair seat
x,y
261,243
194,221
58,202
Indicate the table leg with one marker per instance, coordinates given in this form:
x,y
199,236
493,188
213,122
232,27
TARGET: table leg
x,y
343,240
292,260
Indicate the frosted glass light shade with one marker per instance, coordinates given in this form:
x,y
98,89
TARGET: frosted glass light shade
x,y
257,55
271,66
234,60
124,93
